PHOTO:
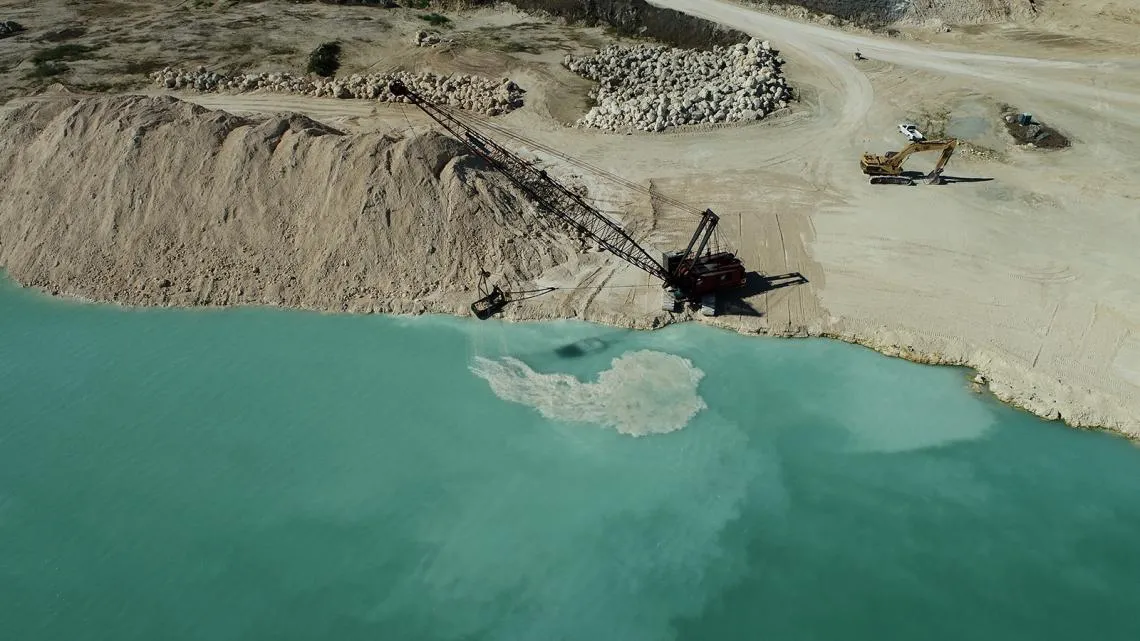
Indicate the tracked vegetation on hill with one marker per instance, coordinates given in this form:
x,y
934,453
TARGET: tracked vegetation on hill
x,y
636,18
325,59
877,14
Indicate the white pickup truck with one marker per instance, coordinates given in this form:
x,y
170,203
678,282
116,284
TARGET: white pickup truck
x,y
911,132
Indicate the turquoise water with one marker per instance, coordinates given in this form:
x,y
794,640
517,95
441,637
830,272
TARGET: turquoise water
x,y
262,474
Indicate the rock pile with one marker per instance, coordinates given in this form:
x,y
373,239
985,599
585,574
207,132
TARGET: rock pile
x,y
9,28
650,88
473,93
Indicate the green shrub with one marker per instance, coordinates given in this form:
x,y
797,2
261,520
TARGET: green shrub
x,y
67,33
435,19
141,67
325,59
48,69
61,52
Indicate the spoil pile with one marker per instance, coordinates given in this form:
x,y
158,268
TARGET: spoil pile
x,y
155,201
1031,132
473,93
651,88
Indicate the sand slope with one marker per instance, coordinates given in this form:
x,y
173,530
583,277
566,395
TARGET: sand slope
x,y
152,200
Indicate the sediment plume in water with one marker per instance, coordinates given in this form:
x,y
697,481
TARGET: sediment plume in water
x,y
644,392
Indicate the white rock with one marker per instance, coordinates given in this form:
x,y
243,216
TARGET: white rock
x,y
464,91
636,83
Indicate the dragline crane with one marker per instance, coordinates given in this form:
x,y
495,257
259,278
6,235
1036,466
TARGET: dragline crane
x,y
687,275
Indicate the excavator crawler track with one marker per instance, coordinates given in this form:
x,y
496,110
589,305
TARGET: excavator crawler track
x,y
892,180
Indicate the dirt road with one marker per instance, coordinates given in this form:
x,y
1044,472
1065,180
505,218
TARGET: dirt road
x,y
1055,78
1031,277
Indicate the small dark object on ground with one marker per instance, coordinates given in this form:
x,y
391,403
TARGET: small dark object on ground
x,y
10,28
1038,134
325,59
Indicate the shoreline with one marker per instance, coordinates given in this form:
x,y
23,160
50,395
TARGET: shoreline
x,y
1042,406
1020,269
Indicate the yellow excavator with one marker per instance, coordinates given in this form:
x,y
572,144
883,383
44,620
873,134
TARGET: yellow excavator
x,y
887,170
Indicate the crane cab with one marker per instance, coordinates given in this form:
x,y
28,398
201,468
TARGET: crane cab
x,y
712,273
694,273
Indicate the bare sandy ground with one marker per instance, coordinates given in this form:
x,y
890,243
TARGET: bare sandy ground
x,y
1024,266
1030,277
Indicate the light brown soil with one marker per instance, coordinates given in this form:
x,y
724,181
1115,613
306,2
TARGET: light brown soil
x,y
154,201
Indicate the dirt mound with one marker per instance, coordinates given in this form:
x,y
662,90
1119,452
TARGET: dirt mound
x,y
151,200
1032,132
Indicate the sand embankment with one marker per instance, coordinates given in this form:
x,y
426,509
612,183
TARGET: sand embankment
x,y
155,201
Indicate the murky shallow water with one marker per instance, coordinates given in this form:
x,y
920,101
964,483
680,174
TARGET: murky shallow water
x,y
261,474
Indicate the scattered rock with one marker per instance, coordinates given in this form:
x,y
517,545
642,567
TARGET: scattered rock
x,y
472,93
652,88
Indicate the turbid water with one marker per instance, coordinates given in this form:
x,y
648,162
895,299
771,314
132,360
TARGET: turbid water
x,y
270,475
